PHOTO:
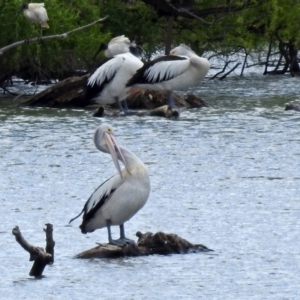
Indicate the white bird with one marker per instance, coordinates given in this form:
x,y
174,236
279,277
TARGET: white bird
x,y
122,44
119,198
182,69
107,83
36,13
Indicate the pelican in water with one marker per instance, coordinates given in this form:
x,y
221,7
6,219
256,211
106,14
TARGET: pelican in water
x,y
120,197
36,13
182,69
107,83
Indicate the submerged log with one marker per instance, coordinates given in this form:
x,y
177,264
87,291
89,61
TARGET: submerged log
x,y
40,257
292,106
147,244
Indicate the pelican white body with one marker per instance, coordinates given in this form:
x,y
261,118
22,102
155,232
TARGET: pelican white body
x,y
109,80
180,70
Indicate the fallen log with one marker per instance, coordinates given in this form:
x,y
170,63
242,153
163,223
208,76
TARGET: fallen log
x,y
40,257
65,93
71,93
148,244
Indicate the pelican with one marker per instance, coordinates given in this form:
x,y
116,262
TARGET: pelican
x,y
107,83
36,13
120,197
182,69
122,44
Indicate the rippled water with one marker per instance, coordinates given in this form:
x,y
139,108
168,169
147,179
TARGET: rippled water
x,y
227,177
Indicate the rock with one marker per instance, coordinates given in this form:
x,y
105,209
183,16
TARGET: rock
x,y
292,106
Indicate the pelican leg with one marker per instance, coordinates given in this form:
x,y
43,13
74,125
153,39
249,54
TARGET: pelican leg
x,y
122,109
122,240
170,99
125,107
173,111
123,237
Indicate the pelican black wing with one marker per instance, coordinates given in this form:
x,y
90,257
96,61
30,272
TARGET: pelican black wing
x,y
141,75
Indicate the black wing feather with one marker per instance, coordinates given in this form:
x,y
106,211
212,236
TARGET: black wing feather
x,y
92,92
141,74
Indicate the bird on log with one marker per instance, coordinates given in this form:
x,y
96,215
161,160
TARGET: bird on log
x,y
121,44
36,13
182,69
106,85
120,197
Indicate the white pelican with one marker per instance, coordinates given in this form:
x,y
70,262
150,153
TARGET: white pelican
x,y
107,83
36,13
121,44
119,198
118,45
182,69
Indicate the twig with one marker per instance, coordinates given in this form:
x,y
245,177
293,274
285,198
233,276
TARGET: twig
x,y
50,37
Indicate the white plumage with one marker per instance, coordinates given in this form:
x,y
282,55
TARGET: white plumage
x,y
178,71
36,13
119,198
107,84
122,44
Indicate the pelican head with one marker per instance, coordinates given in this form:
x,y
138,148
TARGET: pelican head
x,y
182,50
105,141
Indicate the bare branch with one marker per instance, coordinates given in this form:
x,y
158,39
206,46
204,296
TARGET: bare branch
x,y
50,37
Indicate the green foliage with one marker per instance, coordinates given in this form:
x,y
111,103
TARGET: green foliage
x,y
220,25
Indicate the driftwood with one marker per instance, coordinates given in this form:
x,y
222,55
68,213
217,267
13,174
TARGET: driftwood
x,y
147,244
292,106
49,37
40,257
162,111
71,93
65,93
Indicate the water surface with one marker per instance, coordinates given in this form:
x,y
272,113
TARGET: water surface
x,y
227,177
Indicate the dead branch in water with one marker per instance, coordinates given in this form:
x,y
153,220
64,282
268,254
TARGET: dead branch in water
x,y
40,257
148,243
49,37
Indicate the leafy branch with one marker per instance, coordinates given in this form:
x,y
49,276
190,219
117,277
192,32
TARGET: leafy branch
x,y
50,37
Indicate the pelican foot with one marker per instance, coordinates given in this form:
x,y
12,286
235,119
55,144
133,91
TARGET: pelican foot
x,y
122,241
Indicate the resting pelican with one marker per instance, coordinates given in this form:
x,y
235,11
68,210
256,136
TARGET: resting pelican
x,y
119,198
182,69
107,84
122,44
36,13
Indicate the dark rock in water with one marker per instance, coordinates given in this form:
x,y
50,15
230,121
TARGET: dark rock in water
x,y
98,112
292,106
148,243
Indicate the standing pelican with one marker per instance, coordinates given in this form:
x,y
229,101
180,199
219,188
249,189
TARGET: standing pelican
x,y
182,69
119,198
36,13
107,83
